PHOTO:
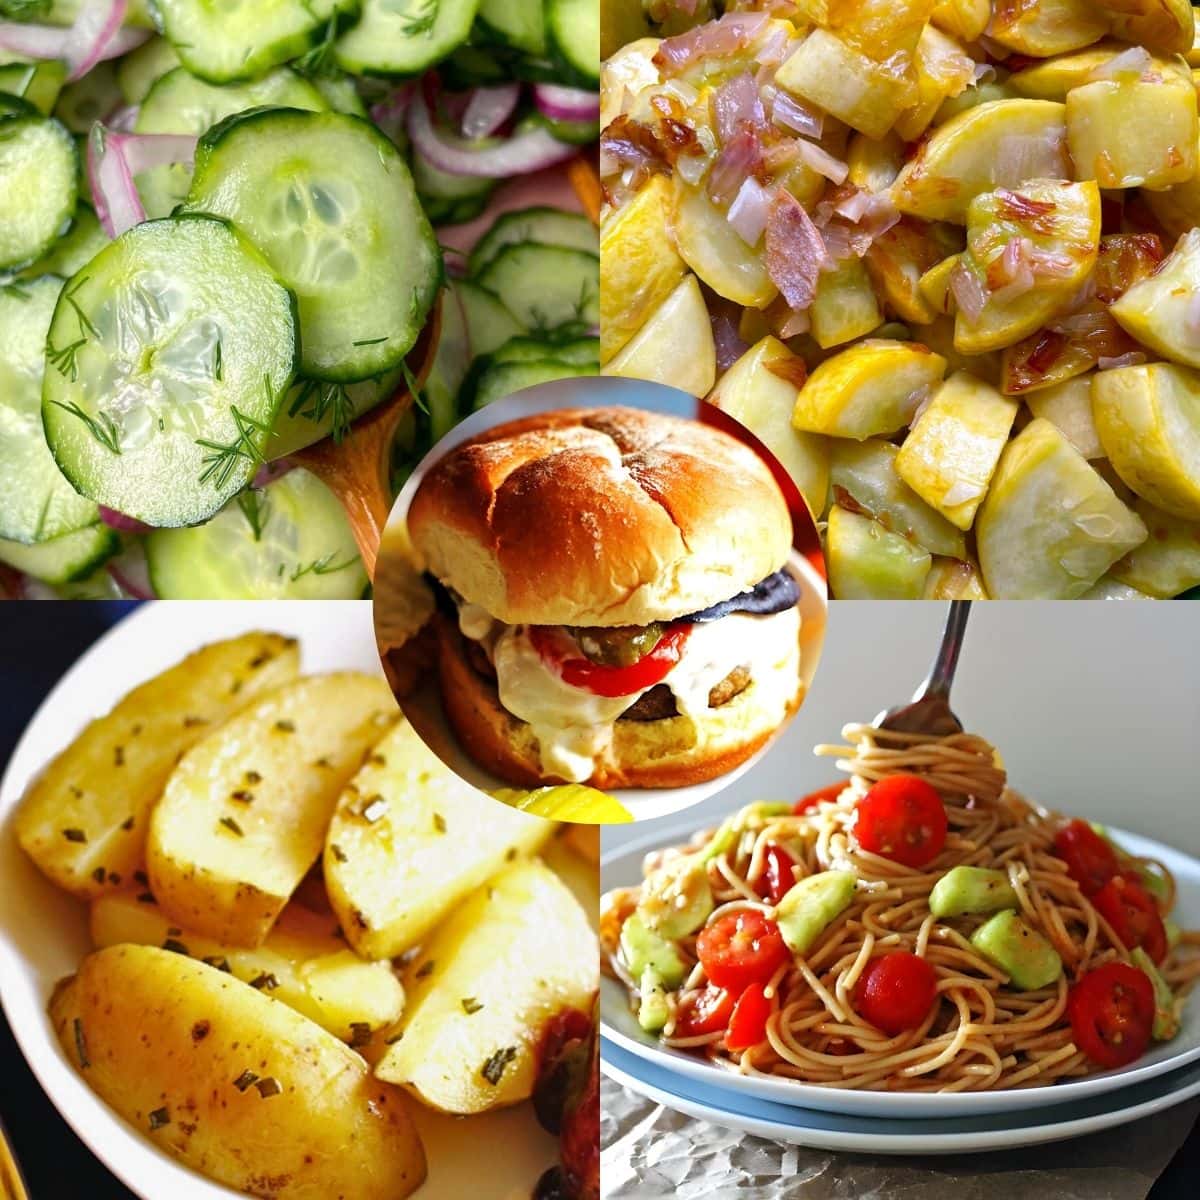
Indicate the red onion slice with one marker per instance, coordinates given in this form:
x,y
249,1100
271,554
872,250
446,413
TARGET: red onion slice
x,y
113,159
968,290
51,41
131,574
95,27
394,104
121,523
566,104
488,109
749,211
822,161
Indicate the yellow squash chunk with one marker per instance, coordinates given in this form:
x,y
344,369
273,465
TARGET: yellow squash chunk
x,y
874,163
1053,78
872,388
965,19
675,346
513,955
879,28
216,1074
864,480
1069,406
409,840
1168,561
952,579
1047,27
938,335
1135,132
760,391
985,93
639,265
1177,208
621,21
933,288
900,257
1193,54
1002,143
84,819
844,307
943,70
951,452
1050,526
1161,311
243,816
1163,25
1107,587
1148,418
303,963
626,75
866,562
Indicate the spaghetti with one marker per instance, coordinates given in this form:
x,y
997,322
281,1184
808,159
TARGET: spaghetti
x,y
980,1032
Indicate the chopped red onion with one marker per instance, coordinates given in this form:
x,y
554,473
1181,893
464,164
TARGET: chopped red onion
x,y
726,339
774,50
96,36
488,109
714,39
739,159
736,103
822,161
969,292
564,103
130,572
1129,64
796,324
123,119
789,112
112,161
394,104
749,210
1133,358
122,523
795,251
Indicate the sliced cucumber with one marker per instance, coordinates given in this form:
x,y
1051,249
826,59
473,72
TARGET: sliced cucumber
x,y
90,99
225,41
316,409
546,286
450,366
450,199
574,29
169,354
340,93
331,204
579,352
403,37
576,133
39,83
549,226
520,24
39,167
498,380
78,246
181,103
289,541
489,323
64,12
36,502
140,70
66,559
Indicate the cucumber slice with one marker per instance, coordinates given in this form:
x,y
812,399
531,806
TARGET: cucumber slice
x,y
498,380
64,12
489,323
340,93
169,354
450,199
140,70
224,41
38,83
520,24
36,502
546,286
90,99
549,226
330,203
403,37
574,29
575,133
287,541
77,247
39,167
66,559
579,352
181,103
316,409
450,366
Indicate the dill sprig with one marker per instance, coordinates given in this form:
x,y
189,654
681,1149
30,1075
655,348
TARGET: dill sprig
x,y
318,401
253,504
64,360
102,427
421,18
413,388
223,461
322,566
318,59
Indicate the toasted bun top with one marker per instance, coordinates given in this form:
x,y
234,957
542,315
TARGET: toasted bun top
x,y
601,516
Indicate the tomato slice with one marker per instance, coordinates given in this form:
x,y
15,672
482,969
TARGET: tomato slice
x,y
739,949
1112,1012
1133,914
748,1024
809,802
705,1011
558,651
1091,861
896,992
778,875
902,818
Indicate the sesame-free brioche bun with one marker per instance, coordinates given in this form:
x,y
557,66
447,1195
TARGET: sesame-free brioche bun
x,y
600,517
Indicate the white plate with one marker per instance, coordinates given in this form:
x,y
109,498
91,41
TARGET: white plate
x,y
618,1024
43,932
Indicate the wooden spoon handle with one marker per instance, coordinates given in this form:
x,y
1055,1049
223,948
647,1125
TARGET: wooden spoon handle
x,y
585,179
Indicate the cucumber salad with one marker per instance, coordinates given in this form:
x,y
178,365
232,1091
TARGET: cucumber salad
x,y
230,228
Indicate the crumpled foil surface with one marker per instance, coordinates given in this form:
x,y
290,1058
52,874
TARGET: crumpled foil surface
x,y
650,1152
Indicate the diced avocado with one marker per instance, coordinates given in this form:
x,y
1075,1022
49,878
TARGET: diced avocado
x,y
653,1011
1173,932
642,948
971,890
810,905
1027,958
676,899
1166,1007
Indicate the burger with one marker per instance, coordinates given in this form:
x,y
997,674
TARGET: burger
x,y
613,604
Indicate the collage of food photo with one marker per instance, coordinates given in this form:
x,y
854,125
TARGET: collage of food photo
x,y
441,443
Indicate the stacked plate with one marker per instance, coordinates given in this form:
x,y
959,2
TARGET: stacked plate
x,y
896,1123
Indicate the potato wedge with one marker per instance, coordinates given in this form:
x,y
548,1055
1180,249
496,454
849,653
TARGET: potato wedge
x,y
244,815
303,962
1159,311
1148,419
872,388
1001,143
1047,27
1164,25
409,840
954,579
866,562
514,954
1069,406
1167,563
84,820
1050,526
235,1085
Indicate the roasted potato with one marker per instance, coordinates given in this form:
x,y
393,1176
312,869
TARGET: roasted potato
x,y
84,820
244,814
235,1085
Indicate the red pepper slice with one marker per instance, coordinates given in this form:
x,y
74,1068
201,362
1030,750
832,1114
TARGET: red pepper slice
x,y
558,652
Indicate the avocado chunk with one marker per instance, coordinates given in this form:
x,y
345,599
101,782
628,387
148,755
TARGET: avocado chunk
x,y
653,1011
810,905
677,899
1027,958
642,948
971,890
1166,1007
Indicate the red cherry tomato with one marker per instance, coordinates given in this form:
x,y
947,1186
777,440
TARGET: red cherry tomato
x,y
739,949
896,992
557,650
1112,1012
1132,913
1090,860
705,1011
809,802
902,818
778,875
748,1024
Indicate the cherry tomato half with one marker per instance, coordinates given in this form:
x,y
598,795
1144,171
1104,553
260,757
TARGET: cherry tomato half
x,y
896,992
748,1024
739,949
1091,861
1112,1012
556,649
809,802
902,818
779,874
1133,914
705,1011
